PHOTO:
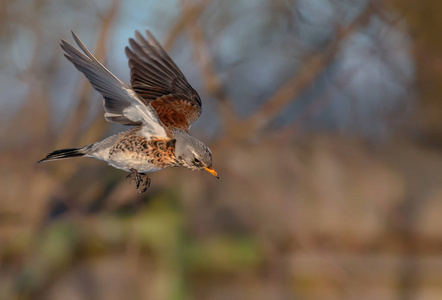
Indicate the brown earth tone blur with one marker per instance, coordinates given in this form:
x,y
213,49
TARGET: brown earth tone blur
x,y
307,206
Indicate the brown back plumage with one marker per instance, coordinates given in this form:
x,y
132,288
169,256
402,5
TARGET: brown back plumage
x,y
158,80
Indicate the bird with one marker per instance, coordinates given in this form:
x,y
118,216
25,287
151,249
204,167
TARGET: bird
x,y
159,104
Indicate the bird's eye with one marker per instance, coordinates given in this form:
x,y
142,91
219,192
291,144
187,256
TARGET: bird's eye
x,y
196,160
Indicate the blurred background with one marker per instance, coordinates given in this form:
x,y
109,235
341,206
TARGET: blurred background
x,y
324,119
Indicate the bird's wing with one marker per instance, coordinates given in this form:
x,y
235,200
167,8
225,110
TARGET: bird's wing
x,y
121,103
158,80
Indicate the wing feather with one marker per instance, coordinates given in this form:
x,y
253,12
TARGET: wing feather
x,y
159,82
121,103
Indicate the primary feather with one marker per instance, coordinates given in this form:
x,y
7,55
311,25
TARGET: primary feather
x,y
158,80
121,103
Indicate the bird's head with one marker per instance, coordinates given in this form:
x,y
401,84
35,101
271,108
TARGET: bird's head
x,y
193,154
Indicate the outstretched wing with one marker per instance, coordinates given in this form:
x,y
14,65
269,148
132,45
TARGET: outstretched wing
x,y
121,103
158,80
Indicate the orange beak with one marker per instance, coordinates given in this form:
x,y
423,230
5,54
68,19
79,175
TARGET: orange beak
x,y
212,171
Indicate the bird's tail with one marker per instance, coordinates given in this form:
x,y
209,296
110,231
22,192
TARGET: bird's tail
x,y
65,153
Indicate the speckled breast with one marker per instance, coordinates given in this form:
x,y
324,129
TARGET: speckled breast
x,y
137,152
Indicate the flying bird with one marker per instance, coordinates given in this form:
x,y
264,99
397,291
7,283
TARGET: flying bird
x,y
160,103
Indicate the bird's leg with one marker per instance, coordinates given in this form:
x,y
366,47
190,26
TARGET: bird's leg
x,y
139,178
146,183
135,176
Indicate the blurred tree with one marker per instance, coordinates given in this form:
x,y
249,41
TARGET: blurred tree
x,y
424,24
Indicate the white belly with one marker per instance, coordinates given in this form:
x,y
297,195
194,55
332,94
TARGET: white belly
x,y
142,166
125,162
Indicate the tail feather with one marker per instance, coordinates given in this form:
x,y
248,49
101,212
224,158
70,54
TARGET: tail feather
x,y
63,153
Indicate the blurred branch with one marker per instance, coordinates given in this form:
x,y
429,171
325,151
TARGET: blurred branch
x,y
73,126
308,73
423,23
188,15
319,105
212,82
37,106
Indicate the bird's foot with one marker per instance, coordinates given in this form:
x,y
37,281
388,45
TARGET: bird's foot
x,y
135,176
140,179
146,183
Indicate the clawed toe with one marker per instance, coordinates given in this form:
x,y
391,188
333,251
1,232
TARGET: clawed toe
x,y
146,184
140,179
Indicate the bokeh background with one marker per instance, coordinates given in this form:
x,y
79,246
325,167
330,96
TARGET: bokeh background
x,y
324,118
